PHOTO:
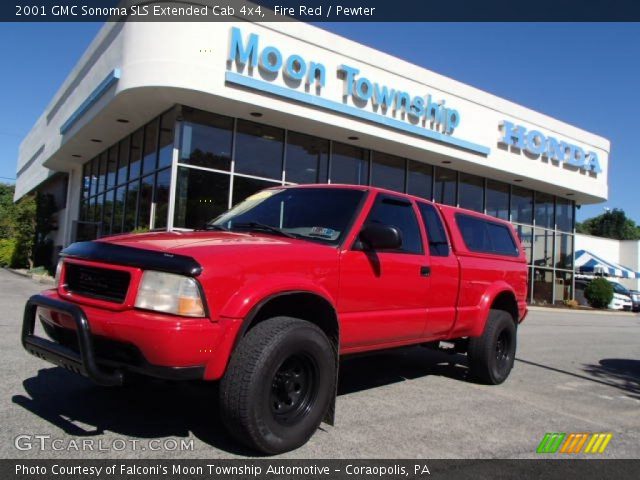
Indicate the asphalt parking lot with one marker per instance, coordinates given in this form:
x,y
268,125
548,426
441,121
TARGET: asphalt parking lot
x,y
575,372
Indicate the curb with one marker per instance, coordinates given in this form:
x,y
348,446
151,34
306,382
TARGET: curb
x,y
582,311
41,279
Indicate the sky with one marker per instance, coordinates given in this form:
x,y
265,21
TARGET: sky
x,y
585,74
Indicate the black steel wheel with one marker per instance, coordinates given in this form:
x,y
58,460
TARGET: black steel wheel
x,y
279,384
491,356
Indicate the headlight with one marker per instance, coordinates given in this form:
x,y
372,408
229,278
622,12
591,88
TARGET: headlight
x,y
58,272
169,293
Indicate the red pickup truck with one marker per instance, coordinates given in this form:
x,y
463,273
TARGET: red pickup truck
x,y
269,295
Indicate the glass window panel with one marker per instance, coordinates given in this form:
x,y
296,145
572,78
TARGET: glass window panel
x,y
90,212
563,286
123,161
200,197
259,150
144,203
163,180
112,166
97,212
86,180
390,210
521,205
108,212
544,210
543,248
244,187
542,286
497,199
387,171
564,251
118,208
564,215
419,179
165,142
445,186
95,171
307,158
438,241
526,239
206,140
150,151
349,164
135,155
471,195
102,172
82,213
130,207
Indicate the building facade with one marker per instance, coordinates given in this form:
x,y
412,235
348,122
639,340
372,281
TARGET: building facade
x,y
166,125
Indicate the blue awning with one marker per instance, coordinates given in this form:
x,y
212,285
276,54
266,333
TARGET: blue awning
x,y
587,262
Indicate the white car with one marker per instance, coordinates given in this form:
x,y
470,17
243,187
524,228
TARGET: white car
x,y
621,297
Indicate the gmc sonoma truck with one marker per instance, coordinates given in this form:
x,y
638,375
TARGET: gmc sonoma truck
x,y
268,296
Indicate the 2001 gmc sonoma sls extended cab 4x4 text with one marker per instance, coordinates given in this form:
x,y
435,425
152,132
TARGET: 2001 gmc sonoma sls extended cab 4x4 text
x,y
269,295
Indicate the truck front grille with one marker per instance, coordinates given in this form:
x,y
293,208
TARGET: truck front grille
x,y
100,283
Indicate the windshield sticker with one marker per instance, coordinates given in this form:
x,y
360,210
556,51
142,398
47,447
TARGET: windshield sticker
x,y
323,232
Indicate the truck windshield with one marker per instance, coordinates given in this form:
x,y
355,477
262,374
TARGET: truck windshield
x,y
317,214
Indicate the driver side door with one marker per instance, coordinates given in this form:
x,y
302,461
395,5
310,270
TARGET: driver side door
x,y
383,293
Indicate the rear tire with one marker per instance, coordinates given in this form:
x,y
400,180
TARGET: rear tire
x,y
279,384
491,355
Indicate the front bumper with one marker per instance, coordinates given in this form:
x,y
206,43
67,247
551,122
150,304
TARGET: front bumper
x,y
81,355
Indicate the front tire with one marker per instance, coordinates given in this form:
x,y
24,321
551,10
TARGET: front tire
x,y
278,385
491,355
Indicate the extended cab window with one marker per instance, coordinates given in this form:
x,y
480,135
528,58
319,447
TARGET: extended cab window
x,y
485,236
438,243
398,212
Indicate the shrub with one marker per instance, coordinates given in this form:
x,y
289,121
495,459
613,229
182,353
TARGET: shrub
x,y
7,248
571,303
599,293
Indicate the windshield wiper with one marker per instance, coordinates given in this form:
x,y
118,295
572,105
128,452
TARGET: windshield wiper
x,y
211,226
263,227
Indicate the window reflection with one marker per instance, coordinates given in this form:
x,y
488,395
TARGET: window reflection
x,y
123,161
307,158
206,140
419,179
543,248
564,215
544,210
259,150
144,201
387,171
165,141
564,251
200,197
149,155
161,198
521,205
135,155
526,238
497,199
471,192
563,287
445,186
349,164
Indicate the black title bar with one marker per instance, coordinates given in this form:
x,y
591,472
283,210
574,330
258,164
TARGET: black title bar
x,y
321,11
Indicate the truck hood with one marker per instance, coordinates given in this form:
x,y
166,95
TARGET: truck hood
x,y
187,243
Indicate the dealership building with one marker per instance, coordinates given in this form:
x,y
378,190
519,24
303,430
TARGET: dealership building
x,y
166,125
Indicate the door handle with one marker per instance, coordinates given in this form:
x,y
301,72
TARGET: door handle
x,y
425,271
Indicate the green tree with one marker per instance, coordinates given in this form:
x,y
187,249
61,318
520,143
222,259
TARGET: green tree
x,y
25,232
611,224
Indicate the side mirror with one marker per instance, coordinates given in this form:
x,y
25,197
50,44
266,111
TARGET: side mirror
x,y
380,237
